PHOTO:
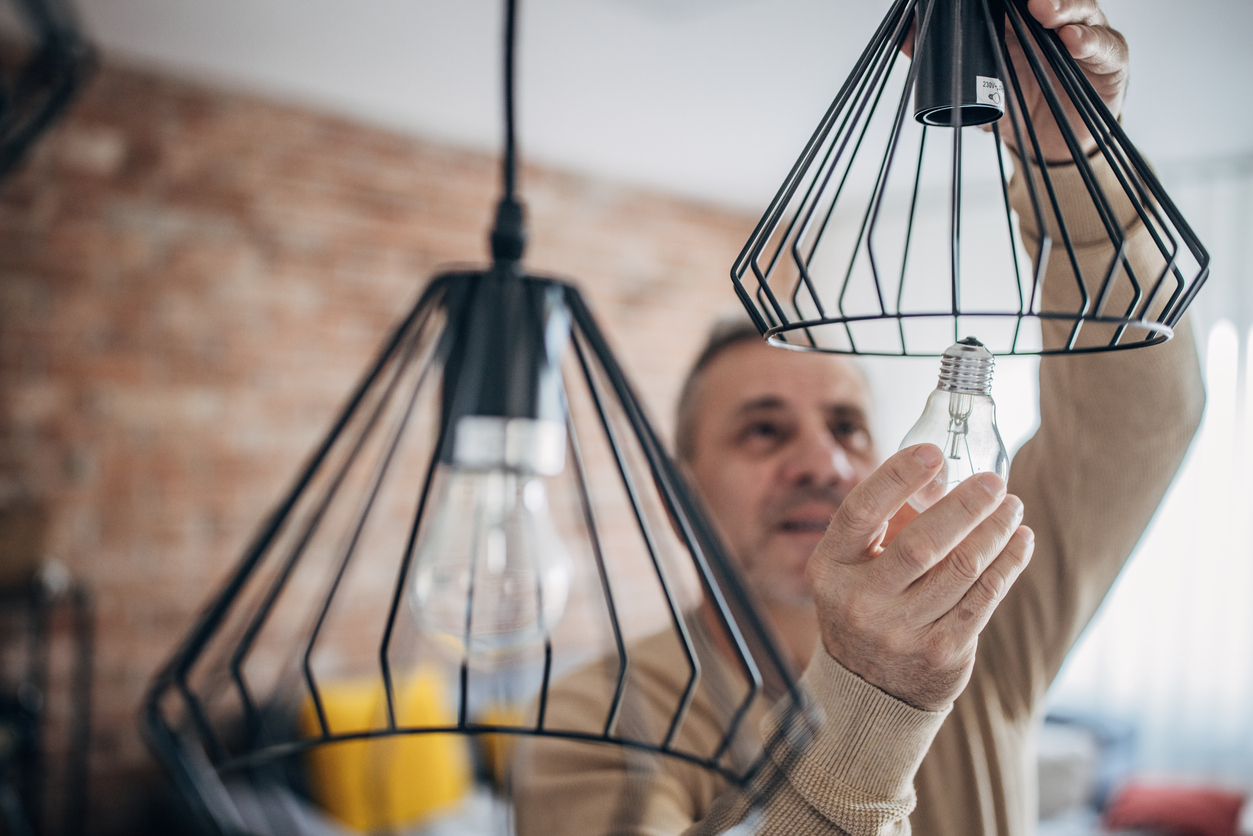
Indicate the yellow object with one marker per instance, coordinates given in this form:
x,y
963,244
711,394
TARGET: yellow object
x,y
381,784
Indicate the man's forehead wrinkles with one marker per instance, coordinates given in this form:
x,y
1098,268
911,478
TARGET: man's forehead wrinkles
x,y
835,409
753,377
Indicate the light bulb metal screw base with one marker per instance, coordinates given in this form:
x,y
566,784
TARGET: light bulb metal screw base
x,y
966,368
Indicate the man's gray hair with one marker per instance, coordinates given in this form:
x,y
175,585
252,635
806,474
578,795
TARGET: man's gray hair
x,y
727,331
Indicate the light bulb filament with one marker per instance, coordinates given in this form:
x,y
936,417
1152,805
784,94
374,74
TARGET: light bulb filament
x,y
959,409
956,436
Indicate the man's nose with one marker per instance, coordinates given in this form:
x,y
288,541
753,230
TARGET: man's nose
x,y
818,459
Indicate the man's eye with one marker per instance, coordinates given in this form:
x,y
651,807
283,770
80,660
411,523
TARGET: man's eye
x,y
852,437
763,430
762,435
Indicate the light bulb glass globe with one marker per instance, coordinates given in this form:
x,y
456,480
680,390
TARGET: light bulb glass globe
x,y
491,574
960,419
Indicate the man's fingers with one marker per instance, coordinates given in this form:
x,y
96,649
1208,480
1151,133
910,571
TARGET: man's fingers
x,y
971,614
1099,50
1086,33
861,521
1054,14
948,582
940,529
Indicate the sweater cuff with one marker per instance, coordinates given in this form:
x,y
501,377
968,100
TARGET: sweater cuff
x,y
868,746
1083,220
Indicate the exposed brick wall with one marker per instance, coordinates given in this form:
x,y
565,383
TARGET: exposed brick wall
x,y
190,282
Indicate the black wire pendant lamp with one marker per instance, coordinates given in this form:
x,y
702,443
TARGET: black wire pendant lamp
x,y
493,459
852,257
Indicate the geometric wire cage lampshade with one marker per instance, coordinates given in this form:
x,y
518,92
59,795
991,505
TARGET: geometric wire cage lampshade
x,y
893,233
491,508
326,599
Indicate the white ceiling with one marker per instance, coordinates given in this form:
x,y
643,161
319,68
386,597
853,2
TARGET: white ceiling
x,y
708,98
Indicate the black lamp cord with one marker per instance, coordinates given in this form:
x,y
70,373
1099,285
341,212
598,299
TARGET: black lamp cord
x,y
509,233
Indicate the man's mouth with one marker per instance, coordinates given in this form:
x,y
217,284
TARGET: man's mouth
x,y
813,525
804,516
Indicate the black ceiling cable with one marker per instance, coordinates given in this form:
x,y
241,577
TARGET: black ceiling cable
x,y
509,233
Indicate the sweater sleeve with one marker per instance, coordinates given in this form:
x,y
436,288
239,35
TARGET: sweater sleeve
x,y
1114,428
855,778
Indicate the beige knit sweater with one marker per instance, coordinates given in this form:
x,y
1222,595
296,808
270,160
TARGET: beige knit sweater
x,y
1113,431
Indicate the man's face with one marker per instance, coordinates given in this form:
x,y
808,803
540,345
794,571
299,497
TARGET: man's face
x,y
780,437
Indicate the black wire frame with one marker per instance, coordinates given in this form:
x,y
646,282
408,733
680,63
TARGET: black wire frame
x,y
34,92
201,749
798,304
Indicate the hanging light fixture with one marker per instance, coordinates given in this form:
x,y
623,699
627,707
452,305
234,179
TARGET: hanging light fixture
x,y
491,495
874,246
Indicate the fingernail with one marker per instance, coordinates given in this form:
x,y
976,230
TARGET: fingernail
x,y
929,455
1016,504
991,483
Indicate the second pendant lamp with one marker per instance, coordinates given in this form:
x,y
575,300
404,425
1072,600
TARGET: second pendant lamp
x,y
894,232
491,506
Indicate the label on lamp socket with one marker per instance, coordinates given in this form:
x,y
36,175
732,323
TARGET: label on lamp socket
x,y
490,441
990,91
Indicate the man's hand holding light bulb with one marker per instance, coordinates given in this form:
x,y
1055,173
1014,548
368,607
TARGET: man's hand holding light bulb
x,y
906,615
930,591
934,586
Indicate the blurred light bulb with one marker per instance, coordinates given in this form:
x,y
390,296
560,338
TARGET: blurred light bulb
x,y
960,419
491,574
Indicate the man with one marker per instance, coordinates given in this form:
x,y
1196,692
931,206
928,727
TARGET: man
x,y
778,445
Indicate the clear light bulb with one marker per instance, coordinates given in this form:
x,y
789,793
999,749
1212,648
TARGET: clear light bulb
x,y
960,419
491,574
